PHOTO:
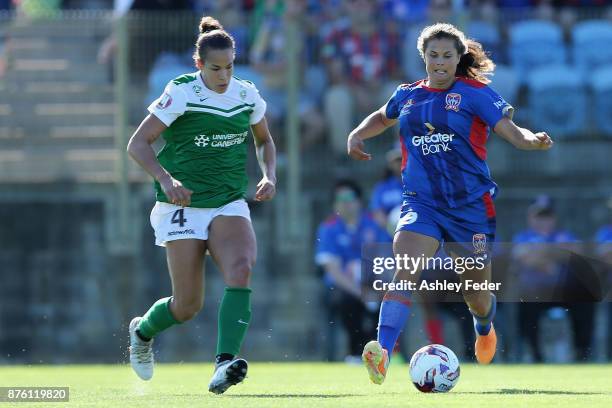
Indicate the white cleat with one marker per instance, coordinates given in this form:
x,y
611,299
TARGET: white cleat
x,y
226,374
141,352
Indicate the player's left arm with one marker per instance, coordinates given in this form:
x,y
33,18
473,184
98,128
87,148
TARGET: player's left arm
x,y
266,157
522,138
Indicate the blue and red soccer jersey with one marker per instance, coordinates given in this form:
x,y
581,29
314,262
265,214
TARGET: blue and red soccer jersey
x,y
443,135
447,185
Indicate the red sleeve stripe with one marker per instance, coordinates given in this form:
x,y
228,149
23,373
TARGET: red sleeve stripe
x,y
488,203
478,137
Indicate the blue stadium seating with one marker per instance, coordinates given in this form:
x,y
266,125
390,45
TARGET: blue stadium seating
x,y
488,35
557,101
505,82
535,43
588,38
601,84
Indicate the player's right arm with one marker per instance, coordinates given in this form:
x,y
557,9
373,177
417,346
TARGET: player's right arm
x,y
376,123
141,150
373,125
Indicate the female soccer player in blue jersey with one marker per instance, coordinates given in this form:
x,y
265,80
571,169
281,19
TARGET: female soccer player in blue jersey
x,y
445,121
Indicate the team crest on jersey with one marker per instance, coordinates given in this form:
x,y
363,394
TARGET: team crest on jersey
x,y
479,241
164,101
453,100
406,108
243,94
197,89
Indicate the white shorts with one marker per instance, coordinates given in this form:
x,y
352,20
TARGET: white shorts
x,y
171,222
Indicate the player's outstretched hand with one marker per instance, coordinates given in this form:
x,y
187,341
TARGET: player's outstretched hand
x,y
265,190
543,141
355,148
176,193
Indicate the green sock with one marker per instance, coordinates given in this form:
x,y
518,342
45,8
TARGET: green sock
x,y
157,319
234,318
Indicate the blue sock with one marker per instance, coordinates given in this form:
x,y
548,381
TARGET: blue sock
x,y
482,325
393,315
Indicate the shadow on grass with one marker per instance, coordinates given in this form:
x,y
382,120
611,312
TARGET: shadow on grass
x,y
516,391
292,395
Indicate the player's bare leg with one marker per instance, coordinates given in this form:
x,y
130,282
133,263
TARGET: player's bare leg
x,y
233,247
395,306
185,264
482,305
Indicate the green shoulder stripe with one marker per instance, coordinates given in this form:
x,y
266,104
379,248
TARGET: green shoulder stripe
x,y
195,105
184,79
244,80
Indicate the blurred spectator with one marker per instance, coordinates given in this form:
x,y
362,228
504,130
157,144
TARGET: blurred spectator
x,y
388,192
338,253
269,59
543,268
406,11
363,59
412,64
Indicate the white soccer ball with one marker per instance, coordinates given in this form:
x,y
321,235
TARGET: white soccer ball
x,y
434,368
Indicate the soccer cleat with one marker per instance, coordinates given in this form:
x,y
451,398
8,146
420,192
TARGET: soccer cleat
x,y
485,346
228,373
141,352
376,360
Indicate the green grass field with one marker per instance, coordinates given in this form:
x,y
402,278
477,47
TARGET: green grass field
x,y
319,385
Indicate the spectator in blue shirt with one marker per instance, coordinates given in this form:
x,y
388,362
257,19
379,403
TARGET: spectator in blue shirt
x,y
388,192
338,252
543,253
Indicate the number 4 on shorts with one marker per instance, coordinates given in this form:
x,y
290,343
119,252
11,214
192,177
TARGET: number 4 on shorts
x,y
179,218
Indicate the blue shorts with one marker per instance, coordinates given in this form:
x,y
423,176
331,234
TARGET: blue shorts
x,y
468,230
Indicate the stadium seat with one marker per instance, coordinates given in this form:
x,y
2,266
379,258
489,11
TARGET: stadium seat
x,y
535,43
488,35
506,83
587,50
557,101
601,84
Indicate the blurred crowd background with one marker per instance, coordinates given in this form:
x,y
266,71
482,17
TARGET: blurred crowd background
x,y
77,259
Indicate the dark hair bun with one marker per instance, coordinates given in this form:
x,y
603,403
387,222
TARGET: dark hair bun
x,y
209,24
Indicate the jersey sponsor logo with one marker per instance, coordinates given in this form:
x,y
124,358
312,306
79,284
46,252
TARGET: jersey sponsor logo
x,y
164,101
453,100
409,218
430,128
188,231
201,140
406,108
433,143
225,141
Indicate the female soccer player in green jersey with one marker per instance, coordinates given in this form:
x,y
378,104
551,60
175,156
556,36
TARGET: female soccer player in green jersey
x,y
200,182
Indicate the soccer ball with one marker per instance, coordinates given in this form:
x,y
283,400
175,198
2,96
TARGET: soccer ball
x,y
434,368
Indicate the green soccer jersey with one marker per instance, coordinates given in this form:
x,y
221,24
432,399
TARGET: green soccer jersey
x,y
207,137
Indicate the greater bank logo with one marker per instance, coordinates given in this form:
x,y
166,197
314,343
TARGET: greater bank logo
x,y
433,142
